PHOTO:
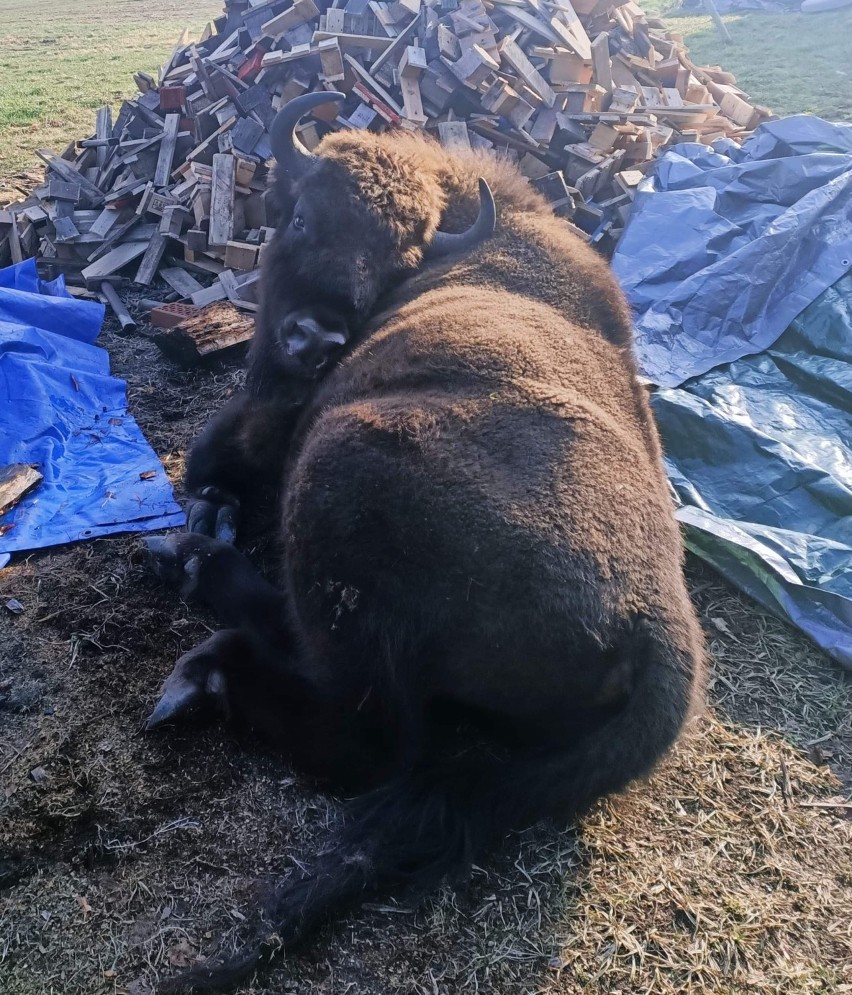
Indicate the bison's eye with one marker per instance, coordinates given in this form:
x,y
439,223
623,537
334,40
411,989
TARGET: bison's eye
x,y
298,222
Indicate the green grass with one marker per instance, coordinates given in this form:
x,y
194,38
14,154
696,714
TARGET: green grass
x,y
791,63
61,59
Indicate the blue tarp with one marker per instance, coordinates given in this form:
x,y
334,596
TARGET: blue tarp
x,y
62,411
737,263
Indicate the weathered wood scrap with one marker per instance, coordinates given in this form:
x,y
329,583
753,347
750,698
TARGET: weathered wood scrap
x,y
115,260
222,200
16,481
208,331
180,281
168,144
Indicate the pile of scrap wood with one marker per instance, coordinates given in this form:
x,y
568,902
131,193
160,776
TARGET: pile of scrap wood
x,y
582,93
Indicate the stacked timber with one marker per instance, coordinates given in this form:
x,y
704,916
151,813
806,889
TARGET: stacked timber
x,y
583,94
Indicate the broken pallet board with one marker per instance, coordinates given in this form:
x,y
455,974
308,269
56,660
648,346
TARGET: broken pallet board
x,y
210,330
16,481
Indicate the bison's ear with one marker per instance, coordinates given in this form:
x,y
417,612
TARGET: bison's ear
x,y
278,200
446,243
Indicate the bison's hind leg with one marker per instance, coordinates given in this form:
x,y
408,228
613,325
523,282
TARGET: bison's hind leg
x,y
327,731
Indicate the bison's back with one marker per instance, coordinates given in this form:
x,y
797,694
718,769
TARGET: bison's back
x,y
481,468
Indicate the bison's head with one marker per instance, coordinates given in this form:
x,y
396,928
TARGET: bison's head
x,y
354,220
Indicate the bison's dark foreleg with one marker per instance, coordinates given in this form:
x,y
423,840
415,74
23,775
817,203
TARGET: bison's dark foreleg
x,y
238,676
218,574
323,704
243,671
215,513
198,678
241,450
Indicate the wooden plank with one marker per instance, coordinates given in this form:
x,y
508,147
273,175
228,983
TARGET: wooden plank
x,y
115,260
62,190
372,84
173,219
333,70
354,43
405,8
229,281
103,131
65,230
35,214
67,172
240,256
412,109
151,259
739,111
115,236
531,22
16,481
166,158
104,222
180,281
411,67
335,19
453,136
500,98
207,146
394,50
514,55
448,43
568,26
544,126
216,292
278,58
474,67
222,200
15,242
300,12
601,65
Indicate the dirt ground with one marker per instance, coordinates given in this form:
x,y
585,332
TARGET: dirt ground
x,y
125,854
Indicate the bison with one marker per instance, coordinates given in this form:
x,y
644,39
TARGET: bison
x,y
481,619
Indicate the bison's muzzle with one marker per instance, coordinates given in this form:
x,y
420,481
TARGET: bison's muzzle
x,y
310,341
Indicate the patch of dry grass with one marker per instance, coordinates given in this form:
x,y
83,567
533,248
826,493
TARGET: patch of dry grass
x,y
722,879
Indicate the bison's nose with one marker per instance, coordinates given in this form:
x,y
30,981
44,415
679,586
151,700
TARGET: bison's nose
x,y
300,338
309,344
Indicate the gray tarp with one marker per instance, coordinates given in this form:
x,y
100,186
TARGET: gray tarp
x,y
734,261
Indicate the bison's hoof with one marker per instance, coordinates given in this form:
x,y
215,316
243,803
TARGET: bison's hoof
x,y
214,513
184,558
197,680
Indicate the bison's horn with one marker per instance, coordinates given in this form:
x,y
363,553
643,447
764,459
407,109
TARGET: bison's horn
x,y
292,156
446,242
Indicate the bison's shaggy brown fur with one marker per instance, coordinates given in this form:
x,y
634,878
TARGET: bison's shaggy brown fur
x,y
475,518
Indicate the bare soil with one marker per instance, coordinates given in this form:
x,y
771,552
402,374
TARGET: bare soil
x,y
123,855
